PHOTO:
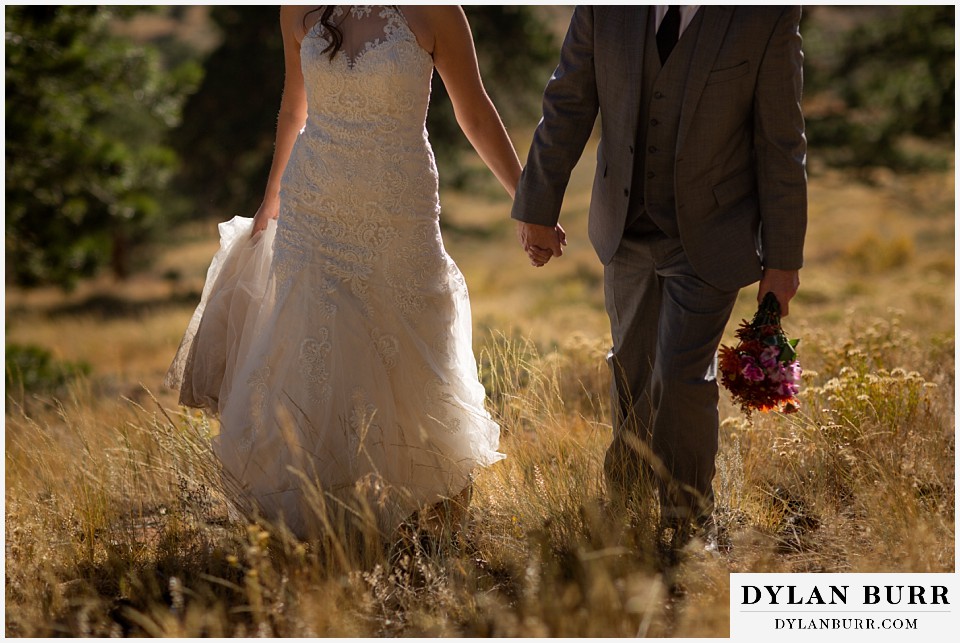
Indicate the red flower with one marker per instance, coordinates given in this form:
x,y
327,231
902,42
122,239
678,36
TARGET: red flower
x,y
762,372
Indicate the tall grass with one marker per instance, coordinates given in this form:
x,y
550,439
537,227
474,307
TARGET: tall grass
x,y
117,521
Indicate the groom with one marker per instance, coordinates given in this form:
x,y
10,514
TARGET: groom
x,y
700,190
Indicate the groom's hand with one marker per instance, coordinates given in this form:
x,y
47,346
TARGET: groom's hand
x,y
541,242
782,283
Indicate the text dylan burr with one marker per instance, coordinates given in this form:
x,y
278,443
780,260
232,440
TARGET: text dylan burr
x,y
838,595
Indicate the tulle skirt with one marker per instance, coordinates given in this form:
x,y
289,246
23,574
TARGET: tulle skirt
x,y
324,402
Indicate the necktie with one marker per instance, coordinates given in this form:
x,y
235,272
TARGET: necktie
x,y
668,33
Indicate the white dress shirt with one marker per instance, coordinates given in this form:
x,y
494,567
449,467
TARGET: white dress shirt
x,y
687,12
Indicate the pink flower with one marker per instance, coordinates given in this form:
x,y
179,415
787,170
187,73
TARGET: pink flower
x,y
750,370
777,373
793,372
769,357
787,389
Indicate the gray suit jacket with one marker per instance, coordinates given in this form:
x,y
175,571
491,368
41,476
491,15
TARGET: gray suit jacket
x,y
740,171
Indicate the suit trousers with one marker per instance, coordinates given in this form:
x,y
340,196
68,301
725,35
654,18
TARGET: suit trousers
x,y
666,324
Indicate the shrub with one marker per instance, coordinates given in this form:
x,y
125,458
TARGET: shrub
x,y
34,369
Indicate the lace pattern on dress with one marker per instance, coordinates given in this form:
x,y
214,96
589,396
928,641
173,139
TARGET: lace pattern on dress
x,y
362,30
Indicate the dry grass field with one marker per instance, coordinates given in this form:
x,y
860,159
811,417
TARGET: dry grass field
x,y
116,525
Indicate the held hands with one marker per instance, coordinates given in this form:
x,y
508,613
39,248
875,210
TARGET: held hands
x,y
782,283
541,242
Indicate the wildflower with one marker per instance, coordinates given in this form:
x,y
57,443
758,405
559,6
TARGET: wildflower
x,y
750,370
768,358
762,372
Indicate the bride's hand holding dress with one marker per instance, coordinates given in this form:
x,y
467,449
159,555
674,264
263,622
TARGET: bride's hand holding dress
x,y
292,115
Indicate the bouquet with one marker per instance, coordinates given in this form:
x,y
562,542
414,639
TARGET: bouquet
x,y
762,372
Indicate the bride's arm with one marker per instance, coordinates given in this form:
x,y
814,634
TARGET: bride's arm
x,y
444,32
293,114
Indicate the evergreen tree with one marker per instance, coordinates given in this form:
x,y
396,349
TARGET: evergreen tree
x,y
892,76
229,124
86,116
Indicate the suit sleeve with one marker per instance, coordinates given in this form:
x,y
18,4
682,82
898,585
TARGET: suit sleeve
x,y
570,107
781,146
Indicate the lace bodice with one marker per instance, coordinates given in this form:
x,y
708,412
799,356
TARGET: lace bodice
x,y
379,79
360,192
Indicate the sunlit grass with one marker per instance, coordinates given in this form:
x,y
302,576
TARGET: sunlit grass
x,y
117,524
116,521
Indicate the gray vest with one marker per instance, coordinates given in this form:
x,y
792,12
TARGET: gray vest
x,y
653,201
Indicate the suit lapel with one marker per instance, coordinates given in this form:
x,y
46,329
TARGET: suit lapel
x,y
713,28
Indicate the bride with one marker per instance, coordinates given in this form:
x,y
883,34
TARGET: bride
x,y
333,336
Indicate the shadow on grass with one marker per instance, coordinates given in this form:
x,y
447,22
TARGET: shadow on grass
x,y
107,307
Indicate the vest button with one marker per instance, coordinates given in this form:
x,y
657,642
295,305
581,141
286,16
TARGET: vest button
x,y
652,149
631,149
650,175
626,192
654,122
658,94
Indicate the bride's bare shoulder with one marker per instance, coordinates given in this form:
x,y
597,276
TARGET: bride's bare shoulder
x,y
428,22
296,20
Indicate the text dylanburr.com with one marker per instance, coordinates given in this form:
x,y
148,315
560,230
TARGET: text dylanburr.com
x,y
847,607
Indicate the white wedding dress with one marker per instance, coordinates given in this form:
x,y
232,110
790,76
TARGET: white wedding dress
x,y
336,345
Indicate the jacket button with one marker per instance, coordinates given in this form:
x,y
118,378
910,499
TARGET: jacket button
x,y
654,122
626,192
631,149
658,94
652,149
650,175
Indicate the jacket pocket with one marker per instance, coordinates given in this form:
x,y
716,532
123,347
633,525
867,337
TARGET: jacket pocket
x,y
735,189
728,73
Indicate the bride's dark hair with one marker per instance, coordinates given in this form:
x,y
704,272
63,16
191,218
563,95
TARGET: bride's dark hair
x,y
336,36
